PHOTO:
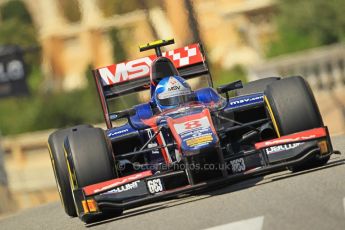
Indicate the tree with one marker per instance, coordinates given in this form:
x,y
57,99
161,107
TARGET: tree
x,y
15,9
17,28
304,24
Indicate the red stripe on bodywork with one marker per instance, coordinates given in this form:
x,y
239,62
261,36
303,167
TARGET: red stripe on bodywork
x,y
296,137
106,185
160,142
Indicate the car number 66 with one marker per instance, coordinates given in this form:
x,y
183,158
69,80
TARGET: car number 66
x,y
155,185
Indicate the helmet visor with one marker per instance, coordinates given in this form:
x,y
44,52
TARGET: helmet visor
x,y
177,100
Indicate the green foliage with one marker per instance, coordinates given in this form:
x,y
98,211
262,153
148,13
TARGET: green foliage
x,y
17,29
15,10
68,109
304,24
46,111
119,52
16,114
13,31
221,77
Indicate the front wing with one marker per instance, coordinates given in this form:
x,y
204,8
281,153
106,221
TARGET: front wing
x,y
144,187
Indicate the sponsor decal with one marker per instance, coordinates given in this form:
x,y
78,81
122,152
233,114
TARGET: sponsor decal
x,y
103,186
238,165
155,186
279,148
116,133
297,137
173,88
201,140
246,100
173,84
193,131
200,123
139,68
123,188
125,71
192,124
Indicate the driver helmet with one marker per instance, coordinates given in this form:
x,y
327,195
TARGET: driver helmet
x,y
171,92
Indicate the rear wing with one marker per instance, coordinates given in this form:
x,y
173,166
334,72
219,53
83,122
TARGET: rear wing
x,y
133,76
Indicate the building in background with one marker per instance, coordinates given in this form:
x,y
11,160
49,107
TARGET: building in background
x,y
78,33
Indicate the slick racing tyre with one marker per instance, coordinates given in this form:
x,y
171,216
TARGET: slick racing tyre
x,y
257,86
90,158
293,108
57,156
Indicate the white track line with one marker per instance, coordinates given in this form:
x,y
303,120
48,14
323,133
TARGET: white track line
x,y
255,223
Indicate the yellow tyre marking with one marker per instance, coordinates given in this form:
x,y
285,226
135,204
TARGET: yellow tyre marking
x,y
272,116
55,174
73,179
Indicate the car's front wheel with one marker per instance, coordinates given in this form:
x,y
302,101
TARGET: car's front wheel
x,y
293,108
57,156
90,158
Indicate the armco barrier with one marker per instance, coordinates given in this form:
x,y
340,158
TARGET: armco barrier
x,y
324,69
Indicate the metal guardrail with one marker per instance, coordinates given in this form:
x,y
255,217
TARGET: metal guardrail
x,y
3,175
6,202
27,161
17,145
323,67
30,176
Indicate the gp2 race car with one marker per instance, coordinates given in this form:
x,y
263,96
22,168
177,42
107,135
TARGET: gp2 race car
x,y
146,155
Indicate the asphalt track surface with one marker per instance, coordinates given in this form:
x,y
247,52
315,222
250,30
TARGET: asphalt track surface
x,y
313,199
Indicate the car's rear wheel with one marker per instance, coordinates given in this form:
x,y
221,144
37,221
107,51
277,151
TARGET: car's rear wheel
x,y
293,108
90,158
57,156
257,86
